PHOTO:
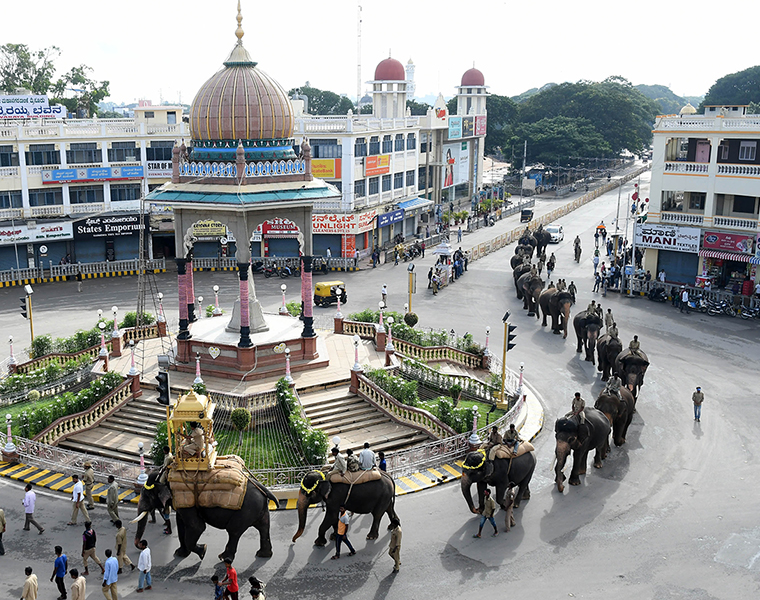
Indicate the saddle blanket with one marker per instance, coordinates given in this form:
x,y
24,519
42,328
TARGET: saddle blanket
x,y
356,477
502,451
223,486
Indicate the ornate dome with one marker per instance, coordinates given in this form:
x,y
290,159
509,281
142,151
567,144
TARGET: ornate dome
x,y
390,70
688,110
240,102
473,78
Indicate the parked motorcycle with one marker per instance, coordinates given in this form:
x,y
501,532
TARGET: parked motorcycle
x,y
657,294
722,307
750,312
270,270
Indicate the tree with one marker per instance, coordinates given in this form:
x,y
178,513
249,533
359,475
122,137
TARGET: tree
x,y
241,419
21,67
418,108
323,102
669,102
451,105
502,112
88,91
555,138
737,88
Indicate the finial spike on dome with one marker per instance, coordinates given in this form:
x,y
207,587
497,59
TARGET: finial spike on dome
x,y
239,31
389,52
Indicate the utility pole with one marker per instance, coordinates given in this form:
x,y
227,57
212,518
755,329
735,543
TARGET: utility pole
x,y
522,175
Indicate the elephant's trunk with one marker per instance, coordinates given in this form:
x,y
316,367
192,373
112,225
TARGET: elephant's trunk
x,y
562,452
466,484
565,320
302,506
142,519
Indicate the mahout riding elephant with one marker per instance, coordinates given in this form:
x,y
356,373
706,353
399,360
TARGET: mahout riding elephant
x,y
527,239
631,368
192,522
607,349
557,304
529,287
581,439
524,250
518,272
499,473
618,412
376,497
542,239
587,327
519,259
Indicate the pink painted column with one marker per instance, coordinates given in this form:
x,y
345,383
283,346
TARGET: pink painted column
x,y
307,299
184,332
245,314
190,298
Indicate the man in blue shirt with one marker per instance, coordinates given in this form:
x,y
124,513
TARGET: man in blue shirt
x,y
59,571
110,576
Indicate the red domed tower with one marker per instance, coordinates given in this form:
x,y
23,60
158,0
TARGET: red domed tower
x,y
471,93
389,89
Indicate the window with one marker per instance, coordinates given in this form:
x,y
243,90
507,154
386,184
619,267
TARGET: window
x,y
360,188
45,197
325,149
409,178
8,158
159,150
83,153
171,118
387,144
747,150
424,147
373,185
125,191
360,147
11,199
411,142
399,142
398,181
338,184
723,151
374,145
744,204
86,194
123,152
421,178
149,114
386,183
697,200
43,154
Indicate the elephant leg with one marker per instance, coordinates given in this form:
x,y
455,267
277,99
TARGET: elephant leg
x,y
481,495
523,493
182,551
331,517
194,528
599,455
233,539
262,526
374,530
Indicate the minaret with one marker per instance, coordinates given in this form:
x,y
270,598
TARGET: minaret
x,y
410,85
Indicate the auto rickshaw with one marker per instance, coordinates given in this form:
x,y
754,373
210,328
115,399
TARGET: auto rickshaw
x,y
526,215
328,292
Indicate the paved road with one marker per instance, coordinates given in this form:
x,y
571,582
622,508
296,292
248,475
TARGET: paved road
x,y
671,514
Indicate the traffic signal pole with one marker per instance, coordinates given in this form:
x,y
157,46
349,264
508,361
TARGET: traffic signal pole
x,y
31,319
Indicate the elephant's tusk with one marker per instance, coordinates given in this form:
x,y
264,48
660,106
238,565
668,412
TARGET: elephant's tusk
x,y
140,517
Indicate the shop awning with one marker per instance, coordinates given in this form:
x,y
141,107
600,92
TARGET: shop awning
x,y
415,203
730,256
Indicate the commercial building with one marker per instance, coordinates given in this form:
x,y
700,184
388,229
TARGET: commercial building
x,y
702,223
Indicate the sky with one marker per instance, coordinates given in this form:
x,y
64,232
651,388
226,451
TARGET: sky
x,y
161,50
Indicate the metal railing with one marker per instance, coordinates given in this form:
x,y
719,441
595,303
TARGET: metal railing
x,y
472,389
106,267
21,274
673,289
49,389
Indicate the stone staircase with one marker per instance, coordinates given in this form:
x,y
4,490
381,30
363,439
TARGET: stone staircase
x,y
118,435
338,412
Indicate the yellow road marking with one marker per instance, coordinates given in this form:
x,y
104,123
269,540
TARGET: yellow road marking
x,y
412,484
451,470
26,471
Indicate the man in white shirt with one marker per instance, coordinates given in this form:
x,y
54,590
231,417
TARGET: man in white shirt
x,y
661,276
77,498
366,458
30,499
144,565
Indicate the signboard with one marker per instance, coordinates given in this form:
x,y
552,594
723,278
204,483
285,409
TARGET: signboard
x,y
161,169
455,128
377,165
92,174
106,227
29,107
731,242
209,229
22,234
481,125
456,169
661,236
391,217
366,221
468,126
326,168
335,224
279,228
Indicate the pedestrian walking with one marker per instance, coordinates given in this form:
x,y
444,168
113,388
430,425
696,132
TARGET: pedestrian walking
x,y
30,585
89,540
609,320
79,279
395,257
144,564
549,269
661,276
112,499
218,589
59,572
2,531
328,253
684,299
384,293
230,581
29,502
382,464
88,480
572,289
394,548
597,281
343,522
489,508
79,587
77,498
430,278
698,398
596,238
422,247
110,576
121,547
459,235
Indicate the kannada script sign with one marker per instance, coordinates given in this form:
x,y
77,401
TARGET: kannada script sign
x,y
667,237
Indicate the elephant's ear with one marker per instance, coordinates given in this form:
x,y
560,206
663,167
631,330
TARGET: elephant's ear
x,y
324,489
489,468
164,495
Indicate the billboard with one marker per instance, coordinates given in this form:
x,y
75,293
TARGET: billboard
x,y
209,229
377,165
667,237
18,234
468,126
91,174
481,124
731,242
455,128
391,217
326,168
29,107
456,169
114,226
336,224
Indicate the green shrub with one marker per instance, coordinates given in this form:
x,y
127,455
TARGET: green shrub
x,y
312,442
130,319
294,308
33,396
241,419
405,391
210,310
160,440
41,346
200,389
455,391
373,316
411,319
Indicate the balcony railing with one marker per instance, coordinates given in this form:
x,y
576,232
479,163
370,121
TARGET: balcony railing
x,y
681,217
11,213
87,207
55,210
258,169
739,170
734,223
686,167
91,128
8,171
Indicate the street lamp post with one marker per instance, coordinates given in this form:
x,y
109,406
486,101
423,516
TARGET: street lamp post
x,y
217,311
406,309
103,349
200,307
10,447
161,317
357,366
520,384
142,478
133,369
288,376
487,352
198,378
12,360
339,314
380,327
115,310
389,343
283,308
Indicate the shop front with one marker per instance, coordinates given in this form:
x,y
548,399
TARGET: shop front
x,y
108,238
413,211
277,237
24,246
729,260
387,228
212,240
344,234
670,248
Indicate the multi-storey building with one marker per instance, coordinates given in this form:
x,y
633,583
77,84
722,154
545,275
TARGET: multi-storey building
x,y
702,222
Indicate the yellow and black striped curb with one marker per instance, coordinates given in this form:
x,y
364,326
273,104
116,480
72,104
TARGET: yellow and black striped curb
x,y
214,268
73,277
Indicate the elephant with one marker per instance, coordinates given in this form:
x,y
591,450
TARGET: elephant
x,y
593,435
587,327
529,287
518,259
524,250
631,368
607,349
500,473
527,239
557,304
542,239
517,273
191,522
376,497
618,412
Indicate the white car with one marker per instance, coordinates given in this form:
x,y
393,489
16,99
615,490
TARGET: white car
x,y
557,233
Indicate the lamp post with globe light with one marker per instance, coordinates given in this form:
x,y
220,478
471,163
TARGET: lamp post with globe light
x,y
200,306
380,327
288,376
115,310
357,366
283,308
389,343
161,317
217,311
